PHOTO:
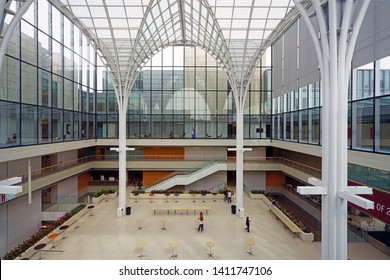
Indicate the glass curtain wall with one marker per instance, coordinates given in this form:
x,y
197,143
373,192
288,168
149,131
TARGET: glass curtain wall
x,y
47,84
368,116
182,93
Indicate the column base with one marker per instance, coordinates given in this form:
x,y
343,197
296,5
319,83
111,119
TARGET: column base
x,y
119,212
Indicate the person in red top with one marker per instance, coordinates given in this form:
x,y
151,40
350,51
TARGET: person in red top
x,y
200,219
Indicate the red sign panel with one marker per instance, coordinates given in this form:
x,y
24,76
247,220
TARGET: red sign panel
x,y
381,209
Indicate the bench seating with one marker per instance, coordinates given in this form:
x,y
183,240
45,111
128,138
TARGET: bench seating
x,y
181,209
286,221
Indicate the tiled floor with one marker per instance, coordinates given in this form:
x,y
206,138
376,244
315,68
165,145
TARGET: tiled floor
x,y
104,236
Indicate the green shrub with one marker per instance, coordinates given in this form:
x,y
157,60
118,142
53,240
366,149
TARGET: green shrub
x,y
257,191
34,239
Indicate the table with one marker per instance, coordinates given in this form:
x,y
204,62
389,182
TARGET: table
x,y
64,227
52,237
173,245
140,219
210,244
39,248
163,220
250,242
90,207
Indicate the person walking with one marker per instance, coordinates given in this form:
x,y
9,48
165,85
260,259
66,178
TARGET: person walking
x,y
200,220
248,224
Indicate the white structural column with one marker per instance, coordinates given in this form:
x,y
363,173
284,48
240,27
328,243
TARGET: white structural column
x,y
334,48
122,94
11,27
239,157
239,99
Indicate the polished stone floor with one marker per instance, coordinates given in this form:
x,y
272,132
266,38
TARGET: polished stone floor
x,y
103,236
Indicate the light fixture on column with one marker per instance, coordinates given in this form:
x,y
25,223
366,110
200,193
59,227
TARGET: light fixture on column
x,y
7,188
243,149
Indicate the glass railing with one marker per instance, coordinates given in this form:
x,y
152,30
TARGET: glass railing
x,y
369,176
59,203
364,175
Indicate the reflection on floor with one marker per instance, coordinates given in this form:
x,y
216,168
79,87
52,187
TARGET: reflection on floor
x,y
104,236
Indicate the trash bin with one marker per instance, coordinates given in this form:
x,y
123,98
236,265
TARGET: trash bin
x,y
128,211
233,207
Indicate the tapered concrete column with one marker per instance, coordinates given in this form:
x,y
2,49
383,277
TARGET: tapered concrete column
x,y
338,33
122,162
239,157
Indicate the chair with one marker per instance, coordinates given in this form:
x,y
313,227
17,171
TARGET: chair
x,y
64,227
52,237
39,248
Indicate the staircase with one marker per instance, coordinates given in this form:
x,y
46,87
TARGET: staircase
x,y
186,179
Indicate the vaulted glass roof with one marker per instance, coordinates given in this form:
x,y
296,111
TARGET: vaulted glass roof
x,y
129,32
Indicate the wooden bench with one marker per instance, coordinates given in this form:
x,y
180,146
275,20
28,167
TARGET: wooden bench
x,y
183,208
286,221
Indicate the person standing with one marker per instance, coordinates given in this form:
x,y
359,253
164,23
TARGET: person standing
x,y
225,194
248,224
229,196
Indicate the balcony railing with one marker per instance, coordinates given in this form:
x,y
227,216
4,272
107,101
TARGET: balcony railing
x,y
41,172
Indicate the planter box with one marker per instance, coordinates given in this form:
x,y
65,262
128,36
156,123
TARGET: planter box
x,y
255,196
112,195
182,196
30,252
308,237
96,200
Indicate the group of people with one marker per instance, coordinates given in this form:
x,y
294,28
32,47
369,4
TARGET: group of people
x,y
137,184
227,195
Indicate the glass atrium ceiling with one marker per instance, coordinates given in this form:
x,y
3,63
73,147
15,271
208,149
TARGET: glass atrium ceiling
x,y
129,32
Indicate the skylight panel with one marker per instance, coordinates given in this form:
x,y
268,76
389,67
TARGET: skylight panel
x,y
116,12
98,12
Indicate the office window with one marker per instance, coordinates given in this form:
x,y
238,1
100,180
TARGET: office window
x,y
29,121
364,82
363,125
314,126
383,120
304,126
383,65
9,124
28,45
29,84
68,126
10,79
